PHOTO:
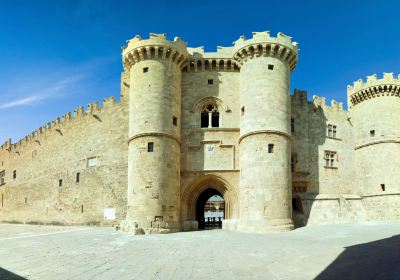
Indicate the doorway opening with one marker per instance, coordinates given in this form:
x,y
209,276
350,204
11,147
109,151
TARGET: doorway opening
x,y
210,209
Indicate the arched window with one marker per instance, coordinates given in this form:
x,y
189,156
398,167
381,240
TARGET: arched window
x,y
209,116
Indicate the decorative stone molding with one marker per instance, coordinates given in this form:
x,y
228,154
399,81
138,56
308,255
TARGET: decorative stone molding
x,y
262,44
373,87
156,47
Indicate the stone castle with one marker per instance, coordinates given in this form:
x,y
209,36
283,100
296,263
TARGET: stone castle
x,y
192,124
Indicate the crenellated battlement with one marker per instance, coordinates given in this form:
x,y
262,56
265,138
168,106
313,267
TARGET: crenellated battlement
x,y
155,47
373,87
320,102
93,109
262,44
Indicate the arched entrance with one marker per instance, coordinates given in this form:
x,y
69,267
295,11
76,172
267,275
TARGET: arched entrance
x,y
210,209
196,195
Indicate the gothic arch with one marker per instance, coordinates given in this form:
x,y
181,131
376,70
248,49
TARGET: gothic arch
x,y
199,185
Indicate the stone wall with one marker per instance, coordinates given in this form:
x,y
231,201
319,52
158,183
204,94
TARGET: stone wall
x,y
46,164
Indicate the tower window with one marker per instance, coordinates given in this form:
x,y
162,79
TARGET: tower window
x,y
174,120
15,174
270,67
209,116
383,187
210,81
78,175
150,147
243,109
270,148
60,182
372,133
145,69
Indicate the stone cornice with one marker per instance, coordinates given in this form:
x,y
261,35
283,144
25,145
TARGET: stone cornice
x,y
280,133
382,141
154,134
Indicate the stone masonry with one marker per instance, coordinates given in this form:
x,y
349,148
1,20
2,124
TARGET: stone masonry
x,y
191,123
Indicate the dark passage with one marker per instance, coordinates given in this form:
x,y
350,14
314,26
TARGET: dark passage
x,y
210,209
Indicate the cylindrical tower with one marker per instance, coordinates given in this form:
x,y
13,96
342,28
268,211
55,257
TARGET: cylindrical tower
x,y
265,141
374,109
154,132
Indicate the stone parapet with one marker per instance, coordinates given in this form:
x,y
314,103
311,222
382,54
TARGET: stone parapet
x,y
262,45
373,87
156,47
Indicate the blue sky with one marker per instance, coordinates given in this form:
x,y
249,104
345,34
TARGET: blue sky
x,y
59,55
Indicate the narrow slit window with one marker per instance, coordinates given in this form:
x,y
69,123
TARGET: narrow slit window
x,y
175,121
270,148
2,177
270,67
60,182
292,125
383,187
145,69
78,175
15,174
150,147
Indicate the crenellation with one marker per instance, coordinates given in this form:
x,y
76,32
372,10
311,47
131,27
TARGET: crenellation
x,y
373,87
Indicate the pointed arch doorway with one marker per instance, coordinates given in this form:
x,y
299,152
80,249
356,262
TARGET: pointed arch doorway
x,y
202,198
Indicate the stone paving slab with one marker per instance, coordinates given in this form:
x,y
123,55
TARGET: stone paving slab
x,y
347,251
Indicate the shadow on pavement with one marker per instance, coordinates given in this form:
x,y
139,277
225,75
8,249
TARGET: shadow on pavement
x,y
373,260
8,275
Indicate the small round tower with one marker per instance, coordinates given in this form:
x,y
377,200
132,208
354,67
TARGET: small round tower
x,y
265,139
374,108
154,67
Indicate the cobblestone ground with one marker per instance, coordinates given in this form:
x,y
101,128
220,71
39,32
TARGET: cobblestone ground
x,y
350,251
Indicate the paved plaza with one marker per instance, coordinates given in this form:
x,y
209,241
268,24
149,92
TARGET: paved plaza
x,y
349,251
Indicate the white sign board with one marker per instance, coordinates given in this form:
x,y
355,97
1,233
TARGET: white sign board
x,y
109,214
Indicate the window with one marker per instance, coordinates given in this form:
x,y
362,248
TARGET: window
x,y
92,161
383,187
331,131
270,148
372,133
270,67
210,81
15,174
243,109
174,121
330,159
78,175
145,69
150,147
292,125
60,182
2,177
209,116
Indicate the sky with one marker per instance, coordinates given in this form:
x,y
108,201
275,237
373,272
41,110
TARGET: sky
x,y
56,56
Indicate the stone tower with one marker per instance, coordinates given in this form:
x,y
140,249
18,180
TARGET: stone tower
x,y
155,69
374,108
265,137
